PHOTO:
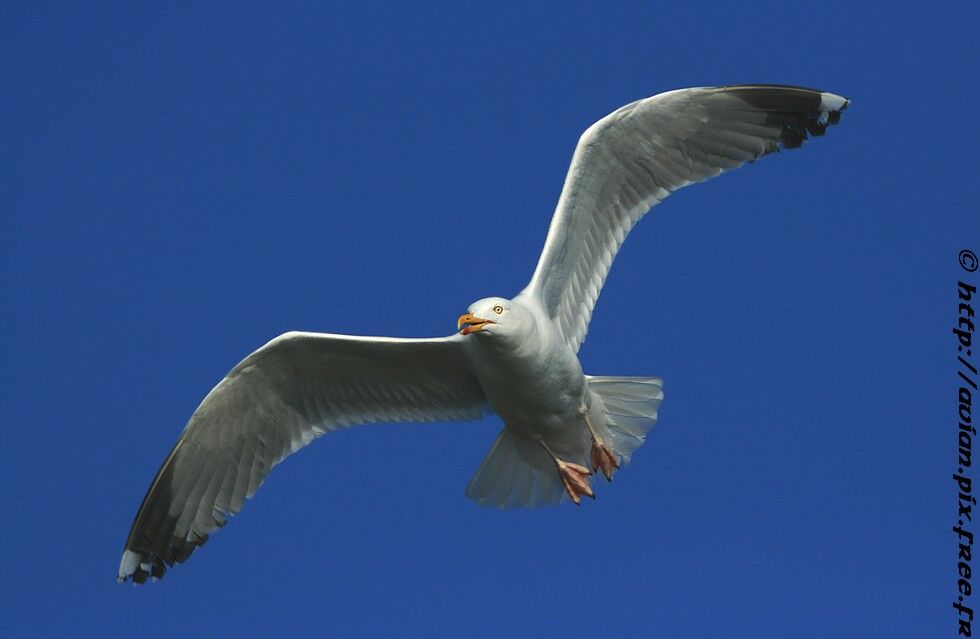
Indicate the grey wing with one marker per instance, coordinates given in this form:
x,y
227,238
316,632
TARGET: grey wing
x,y
278,399
635,157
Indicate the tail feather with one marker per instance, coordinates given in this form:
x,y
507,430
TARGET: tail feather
x,y
519,473
516,473
630,405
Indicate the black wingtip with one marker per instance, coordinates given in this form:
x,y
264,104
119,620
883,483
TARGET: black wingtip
x,y
151,544
799,111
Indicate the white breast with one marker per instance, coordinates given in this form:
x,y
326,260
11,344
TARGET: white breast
x,y
533,381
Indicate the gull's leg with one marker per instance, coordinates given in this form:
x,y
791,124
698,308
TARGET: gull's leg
x,y
574,477
603,458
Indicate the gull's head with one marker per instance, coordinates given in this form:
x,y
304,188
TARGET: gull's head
x,y
491,316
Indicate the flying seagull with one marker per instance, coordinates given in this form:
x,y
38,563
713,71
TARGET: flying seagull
x,y
515,357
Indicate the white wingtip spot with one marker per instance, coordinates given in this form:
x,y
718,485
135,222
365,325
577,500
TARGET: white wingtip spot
x,y
127,566
832,102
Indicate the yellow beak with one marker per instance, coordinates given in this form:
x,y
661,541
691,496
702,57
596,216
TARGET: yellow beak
x,y
467,323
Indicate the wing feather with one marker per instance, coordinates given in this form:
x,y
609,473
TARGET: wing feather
x,y
276,401
632,159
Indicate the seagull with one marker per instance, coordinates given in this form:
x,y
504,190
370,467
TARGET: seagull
x,y
515,357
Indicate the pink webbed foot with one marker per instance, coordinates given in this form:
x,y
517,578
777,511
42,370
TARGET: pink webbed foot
x,y
604,459
601,456
575,480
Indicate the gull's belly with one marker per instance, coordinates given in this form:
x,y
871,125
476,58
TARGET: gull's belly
x,y
536,395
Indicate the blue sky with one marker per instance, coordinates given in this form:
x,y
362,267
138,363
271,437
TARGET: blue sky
x,y
181,184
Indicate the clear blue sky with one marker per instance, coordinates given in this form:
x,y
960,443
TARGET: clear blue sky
x,y
179,185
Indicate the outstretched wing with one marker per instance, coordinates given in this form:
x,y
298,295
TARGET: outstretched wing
x,y
278,399
635,157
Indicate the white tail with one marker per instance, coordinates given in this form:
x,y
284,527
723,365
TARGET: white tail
x,y
630,405
518,473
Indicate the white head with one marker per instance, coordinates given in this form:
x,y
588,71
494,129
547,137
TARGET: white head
x,y
495,317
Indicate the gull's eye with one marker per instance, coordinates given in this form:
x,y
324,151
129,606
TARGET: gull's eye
x,y
498,309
